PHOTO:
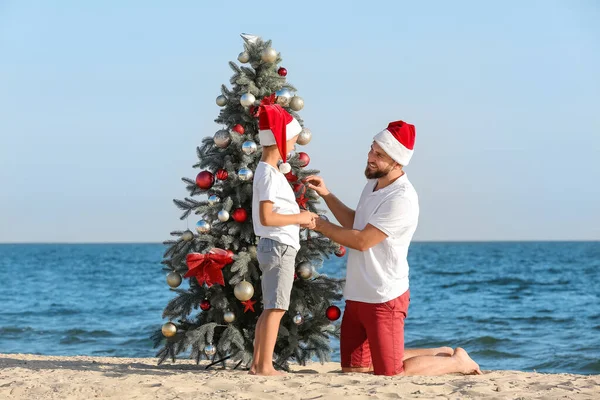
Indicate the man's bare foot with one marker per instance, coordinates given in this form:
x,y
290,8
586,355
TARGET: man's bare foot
x,y
466,364
269,372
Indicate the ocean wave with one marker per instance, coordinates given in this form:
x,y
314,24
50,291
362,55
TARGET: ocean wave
x,y
486,341
10,330
451,273
94,333
494,354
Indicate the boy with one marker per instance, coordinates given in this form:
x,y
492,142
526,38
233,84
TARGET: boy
x,y
276,218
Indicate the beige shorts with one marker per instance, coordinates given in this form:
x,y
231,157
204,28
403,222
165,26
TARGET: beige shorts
x,y
277,261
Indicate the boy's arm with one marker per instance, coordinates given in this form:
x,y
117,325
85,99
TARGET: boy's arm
x,y
270,218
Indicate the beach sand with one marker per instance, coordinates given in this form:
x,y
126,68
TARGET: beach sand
x,y
24,376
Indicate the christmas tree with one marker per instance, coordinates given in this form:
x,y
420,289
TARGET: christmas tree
x,y
215,317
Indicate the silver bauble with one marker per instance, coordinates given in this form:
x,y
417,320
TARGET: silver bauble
x,y
249,147
297,103
324,217
223,216
283,96
169,329
247,99
202,226
229,317
173,279
304,137
222,138
244,57
210,350
213,199
252,251
298,319
269,55
187,236
221,101
245,174
243,291
305,270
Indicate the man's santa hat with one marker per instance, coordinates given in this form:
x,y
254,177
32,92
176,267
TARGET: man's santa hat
x,y
398,141
277,126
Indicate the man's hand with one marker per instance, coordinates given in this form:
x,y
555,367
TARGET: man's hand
x,y
319,222
306,218
317,184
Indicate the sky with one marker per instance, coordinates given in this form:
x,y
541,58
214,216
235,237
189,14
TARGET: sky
x,y
102,105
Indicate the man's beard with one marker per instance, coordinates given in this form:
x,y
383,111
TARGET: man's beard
x,y
377,173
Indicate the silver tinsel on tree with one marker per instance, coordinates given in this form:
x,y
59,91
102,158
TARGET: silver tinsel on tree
x,y
225,329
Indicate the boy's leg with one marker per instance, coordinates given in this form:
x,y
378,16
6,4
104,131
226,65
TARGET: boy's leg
x,y
266,342
277,262
257,330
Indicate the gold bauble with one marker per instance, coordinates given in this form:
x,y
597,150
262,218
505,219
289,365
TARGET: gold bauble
x,y
173,279
243,291
169,329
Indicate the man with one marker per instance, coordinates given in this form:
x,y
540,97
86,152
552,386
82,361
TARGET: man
x,y
378,234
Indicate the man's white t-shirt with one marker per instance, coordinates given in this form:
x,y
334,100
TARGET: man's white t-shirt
x,y
380,274
271,185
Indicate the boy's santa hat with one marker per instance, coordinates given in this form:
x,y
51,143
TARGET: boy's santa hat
x,y
277,126
398,141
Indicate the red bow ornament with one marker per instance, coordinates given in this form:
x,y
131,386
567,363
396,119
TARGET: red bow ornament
x,y
207,268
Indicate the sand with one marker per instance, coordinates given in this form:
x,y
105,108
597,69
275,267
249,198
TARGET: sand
x,y
24,376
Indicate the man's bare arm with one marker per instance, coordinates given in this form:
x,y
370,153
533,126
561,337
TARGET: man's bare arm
x,y
343,213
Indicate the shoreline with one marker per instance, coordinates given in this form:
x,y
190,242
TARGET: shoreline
x,y
29,376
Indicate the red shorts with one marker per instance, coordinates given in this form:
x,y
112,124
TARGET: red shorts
x,y
373,334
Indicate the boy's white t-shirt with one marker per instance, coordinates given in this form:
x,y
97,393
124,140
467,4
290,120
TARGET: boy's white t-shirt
x,y
380,274
271,185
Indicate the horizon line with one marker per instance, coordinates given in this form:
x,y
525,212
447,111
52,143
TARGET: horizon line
x,y
414,241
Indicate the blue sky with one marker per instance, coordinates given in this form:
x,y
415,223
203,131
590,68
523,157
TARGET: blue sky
x,y
103,103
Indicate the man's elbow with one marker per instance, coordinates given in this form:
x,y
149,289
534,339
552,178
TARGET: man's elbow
x,y
363,244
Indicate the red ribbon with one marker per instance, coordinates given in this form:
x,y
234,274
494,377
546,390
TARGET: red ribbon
x,y
206,268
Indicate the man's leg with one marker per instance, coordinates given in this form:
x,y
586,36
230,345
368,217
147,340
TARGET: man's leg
x,y
437,351
459,362
354,347
385,332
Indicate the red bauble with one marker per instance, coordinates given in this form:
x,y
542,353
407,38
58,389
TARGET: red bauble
x,y
333,313
297,186
205,180
230,253
239,129
341,251
222,174
304,159
240,215
282,71
205,305
291,177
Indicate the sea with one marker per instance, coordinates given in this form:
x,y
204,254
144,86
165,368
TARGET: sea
x,y
527,306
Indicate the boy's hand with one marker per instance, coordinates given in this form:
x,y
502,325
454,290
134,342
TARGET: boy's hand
x,y
306,218
317,184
